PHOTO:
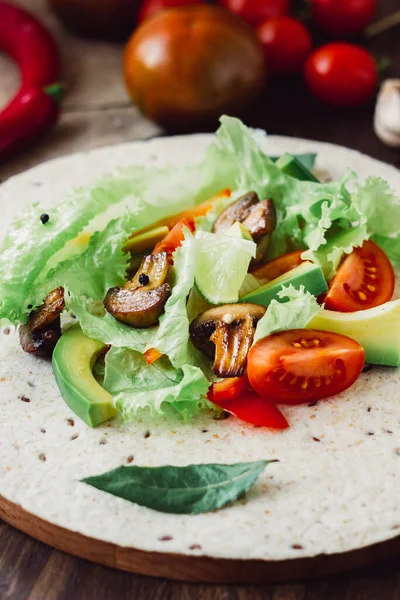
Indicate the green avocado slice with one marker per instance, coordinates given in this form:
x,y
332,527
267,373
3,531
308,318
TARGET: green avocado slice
x,y
290,165
73,360
376,329
306,274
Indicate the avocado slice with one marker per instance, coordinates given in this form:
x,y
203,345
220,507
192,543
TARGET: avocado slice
x,y
290,165
306,274
240,231
376,329
146,240
73,360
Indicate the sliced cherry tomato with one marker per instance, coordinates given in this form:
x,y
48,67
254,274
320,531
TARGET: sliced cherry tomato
x,y
228,389
341,74
151,355
286,43
364,279
174,238
342,17
301,365
151,7
251,408
255,11
278,266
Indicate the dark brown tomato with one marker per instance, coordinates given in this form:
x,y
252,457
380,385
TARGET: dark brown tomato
x,y
186,66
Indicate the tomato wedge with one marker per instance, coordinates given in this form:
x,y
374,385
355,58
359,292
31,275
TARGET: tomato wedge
x,y
174,238
301,365
228,389
364,279
278,266
151,355
251,408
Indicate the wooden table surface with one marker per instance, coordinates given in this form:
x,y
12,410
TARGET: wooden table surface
x,y
96,112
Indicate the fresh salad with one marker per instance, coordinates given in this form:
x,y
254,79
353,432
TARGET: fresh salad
x,y
241,284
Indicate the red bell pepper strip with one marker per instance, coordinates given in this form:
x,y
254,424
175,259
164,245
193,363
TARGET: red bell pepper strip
x,y
151,355
228,389
34,109
174,238
251,408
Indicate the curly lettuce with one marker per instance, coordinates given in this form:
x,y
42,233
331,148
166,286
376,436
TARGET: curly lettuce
x,y
294,310
158,387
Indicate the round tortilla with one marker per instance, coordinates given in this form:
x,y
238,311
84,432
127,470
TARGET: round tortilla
x,y
334,489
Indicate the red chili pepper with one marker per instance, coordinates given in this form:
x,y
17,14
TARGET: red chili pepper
x,y
35,107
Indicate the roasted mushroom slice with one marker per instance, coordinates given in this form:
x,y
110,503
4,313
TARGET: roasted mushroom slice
x,y
43,329
258,217
225,334
141,301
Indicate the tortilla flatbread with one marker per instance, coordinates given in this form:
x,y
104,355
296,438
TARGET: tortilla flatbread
x,y
334,489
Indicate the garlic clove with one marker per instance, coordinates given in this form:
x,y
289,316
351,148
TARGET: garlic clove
x,y
387,113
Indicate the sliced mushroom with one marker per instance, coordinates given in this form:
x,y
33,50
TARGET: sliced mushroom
x,y
43,329
141,301
225,334
258,217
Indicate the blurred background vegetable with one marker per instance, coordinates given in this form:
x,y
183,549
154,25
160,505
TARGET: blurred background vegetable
x,y
35,107
286,43
342,17
187,61
106,19
186,66
151,7
341,74
256,11
387,113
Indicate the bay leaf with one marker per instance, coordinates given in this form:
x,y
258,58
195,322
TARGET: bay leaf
x,y
192,489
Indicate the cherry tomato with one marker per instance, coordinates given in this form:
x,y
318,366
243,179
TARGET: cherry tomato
x,y
287,44
365,279
278,266
151,7
174,238
341,74
255,11
342,17
251,408
186,66
227,389
300,365
151,355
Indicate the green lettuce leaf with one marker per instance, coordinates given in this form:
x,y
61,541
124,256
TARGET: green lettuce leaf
x,y
330,254
100,325
158,387
30,243
93,272
172,336
295,311
376,205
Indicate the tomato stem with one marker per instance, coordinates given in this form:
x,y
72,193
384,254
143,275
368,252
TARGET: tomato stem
x,y
382,25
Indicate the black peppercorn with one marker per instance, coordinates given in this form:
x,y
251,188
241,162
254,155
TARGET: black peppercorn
x,y
143,279
44,218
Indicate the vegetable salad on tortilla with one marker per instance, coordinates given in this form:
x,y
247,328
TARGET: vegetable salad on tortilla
x,y
238,284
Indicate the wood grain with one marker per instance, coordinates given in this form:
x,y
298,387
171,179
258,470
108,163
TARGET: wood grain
x,y
97,112
201,569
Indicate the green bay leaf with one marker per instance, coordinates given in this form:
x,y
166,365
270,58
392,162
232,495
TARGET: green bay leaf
x,y
192,489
